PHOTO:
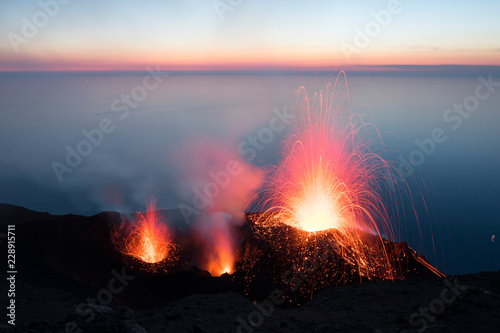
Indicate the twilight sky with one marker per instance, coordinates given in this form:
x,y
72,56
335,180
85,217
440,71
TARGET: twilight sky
x,y
254,34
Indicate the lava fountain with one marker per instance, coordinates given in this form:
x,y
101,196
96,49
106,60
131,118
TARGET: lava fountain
x,y
331,177
147,238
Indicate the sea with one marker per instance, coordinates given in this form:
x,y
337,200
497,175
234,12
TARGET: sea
x,y
82,143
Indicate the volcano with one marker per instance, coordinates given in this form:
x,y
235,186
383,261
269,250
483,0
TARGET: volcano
x,y
78,253
68,266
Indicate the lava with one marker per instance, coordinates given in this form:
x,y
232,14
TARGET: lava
x,y
214,234
315,209
146,238
330,177
221,260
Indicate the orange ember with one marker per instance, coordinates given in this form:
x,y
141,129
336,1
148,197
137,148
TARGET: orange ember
x,y
147,238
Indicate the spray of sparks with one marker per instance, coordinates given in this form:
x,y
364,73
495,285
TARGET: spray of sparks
x,y
147,238
330,178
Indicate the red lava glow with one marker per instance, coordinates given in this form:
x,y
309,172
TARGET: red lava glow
x,y
221,260
147,238
330,175
217,243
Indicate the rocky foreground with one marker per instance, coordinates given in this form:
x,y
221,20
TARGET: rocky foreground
x,y
468,303
71,279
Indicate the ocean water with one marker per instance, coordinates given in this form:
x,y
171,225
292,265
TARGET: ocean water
x,y
42,114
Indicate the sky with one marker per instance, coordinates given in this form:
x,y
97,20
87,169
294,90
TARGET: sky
x,y
243,34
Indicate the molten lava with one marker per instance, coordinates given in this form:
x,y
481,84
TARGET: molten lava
x,y
315,209
330,177
147,238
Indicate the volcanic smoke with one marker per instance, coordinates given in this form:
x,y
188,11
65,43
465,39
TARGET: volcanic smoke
x,y
219,184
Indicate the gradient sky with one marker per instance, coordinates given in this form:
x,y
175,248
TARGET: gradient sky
x,y
257,34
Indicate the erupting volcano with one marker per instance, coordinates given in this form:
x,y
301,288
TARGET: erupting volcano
x,y
330,178
324,219
146,238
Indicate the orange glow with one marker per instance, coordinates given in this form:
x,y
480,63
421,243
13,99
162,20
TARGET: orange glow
x,y
147,238
316,209
240,59
221,260
214,235
218,253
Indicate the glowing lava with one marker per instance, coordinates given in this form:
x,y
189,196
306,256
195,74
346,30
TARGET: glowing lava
x,y
316,211
146,238
330,176
214,233
221,261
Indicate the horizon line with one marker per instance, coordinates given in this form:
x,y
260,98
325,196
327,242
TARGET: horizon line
x,y
356,69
